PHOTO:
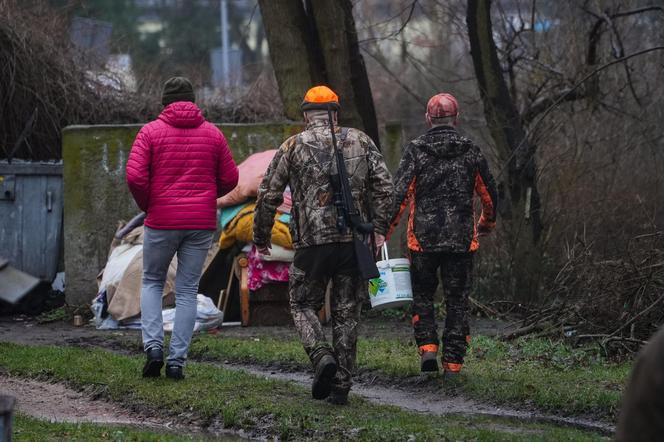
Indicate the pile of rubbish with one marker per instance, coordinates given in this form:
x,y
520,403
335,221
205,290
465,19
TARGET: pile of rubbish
x,y
236,221
118,300
117,303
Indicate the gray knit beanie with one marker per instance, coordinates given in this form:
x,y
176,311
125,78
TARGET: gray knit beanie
x,y
177,89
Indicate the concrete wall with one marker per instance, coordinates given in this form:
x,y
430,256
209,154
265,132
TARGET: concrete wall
x,y
96,195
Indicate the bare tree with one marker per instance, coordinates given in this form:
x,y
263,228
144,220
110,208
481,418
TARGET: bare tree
x,y
316,43
518,189
502,73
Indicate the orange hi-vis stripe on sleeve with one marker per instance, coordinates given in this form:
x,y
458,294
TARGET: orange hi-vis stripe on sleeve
x,y
453,367
413,243
428,348
488,210
402,208
475,243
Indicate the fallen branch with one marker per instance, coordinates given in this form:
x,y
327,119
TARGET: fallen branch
x,y
488,311
640,314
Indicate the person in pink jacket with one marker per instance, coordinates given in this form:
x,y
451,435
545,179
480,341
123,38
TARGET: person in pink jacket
x,y
178,166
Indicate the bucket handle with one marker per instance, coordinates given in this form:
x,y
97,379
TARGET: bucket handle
x,y
383,253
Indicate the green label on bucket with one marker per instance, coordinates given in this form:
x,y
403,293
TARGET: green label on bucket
x,y
376,285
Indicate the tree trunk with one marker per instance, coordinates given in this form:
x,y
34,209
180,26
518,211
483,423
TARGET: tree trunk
x,y
318,45
293,48
518,187
345,69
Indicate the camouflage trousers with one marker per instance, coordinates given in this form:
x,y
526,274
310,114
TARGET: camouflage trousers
x,y
307,296
456,274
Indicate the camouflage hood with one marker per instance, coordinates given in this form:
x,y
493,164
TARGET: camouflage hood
x,y
444,142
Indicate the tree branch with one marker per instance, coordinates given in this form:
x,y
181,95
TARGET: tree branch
x,y
637,11
398,31
619,51
396,78
542,104
593,73
563,96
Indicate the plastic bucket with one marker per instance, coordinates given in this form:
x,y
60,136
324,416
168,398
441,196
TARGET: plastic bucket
x,y
392,288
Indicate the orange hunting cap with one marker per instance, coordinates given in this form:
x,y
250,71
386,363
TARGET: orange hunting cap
x,y
320,98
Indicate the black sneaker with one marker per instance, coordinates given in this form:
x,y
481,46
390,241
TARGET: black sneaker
x,y
428,362
154,362
174,372
338,398
325,371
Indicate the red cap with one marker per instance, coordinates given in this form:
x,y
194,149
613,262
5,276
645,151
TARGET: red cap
x,y
442,105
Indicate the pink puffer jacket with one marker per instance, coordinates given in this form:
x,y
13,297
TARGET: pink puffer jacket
x,y
178,166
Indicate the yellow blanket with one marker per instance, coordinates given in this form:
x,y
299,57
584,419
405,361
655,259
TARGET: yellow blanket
x,y
241,229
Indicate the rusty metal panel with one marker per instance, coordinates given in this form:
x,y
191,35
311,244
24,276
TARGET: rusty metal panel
x,y
31,222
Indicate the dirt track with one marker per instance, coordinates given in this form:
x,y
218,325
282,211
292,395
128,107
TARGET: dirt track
x,y
421,394
57,403
431,401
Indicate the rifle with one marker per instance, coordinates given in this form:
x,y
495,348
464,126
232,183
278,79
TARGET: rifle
x,y
348,217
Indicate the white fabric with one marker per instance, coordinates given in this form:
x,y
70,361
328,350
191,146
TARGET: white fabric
x,y
279,253
207,315
117,263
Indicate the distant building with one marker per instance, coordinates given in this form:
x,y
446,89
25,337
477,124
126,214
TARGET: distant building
x,y
92,37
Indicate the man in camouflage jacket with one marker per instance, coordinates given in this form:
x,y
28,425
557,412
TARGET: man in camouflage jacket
x,y
323,254
437,177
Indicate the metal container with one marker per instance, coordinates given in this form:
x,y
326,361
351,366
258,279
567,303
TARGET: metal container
x,y
6,417
31,206
78,320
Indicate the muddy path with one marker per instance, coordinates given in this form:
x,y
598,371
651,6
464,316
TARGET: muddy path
x,y
430,400
56,402
422,394
59,403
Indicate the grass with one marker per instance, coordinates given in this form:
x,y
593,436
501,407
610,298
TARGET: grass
x,y
546,374
27,429
535,372
266,407
57,314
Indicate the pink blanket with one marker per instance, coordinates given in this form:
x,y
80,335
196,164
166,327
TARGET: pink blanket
x,y
251,172
287,205
265,272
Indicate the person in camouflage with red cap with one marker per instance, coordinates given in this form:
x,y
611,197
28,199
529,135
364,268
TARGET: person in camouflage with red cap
x,y
322,252
438,175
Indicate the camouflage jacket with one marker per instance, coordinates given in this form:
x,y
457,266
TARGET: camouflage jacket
x,y
437,177
304,162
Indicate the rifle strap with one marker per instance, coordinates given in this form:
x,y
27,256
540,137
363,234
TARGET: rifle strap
x,y
343,136
340,142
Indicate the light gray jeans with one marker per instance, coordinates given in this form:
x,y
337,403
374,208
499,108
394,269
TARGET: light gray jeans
x,y
159,247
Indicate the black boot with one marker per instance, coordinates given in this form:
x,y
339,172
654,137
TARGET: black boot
x,y
154,362
338,397
326,368
428,362
174,372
